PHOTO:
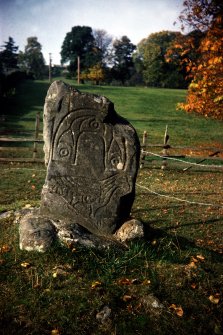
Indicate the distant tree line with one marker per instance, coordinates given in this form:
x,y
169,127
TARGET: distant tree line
x,y
16,66
165,59
119,61
102,60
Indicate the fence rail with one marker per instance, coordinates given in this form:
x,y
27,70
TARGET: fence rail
x,y
165,155
168,153
20,139
22,148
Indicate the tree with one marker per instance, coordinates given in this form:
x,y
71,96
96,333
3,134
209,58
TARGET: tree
x,y
205,94
32,60
182,53
157,71
96,74
8,56
10,75
80,42
103,42
123,60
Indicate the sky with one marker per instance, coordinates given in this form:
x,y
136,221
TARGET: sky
x,y
51,20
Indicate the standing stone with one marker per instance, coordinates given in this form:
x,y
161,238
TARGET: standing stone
x,y
92,157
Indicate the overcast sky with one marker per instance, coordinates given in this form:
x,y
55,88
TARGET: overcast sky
x,y
50,20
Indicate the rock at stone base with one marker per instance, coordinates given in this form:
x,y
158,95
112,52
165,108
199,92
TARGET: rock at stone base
x,y
37,233
130,230
74,235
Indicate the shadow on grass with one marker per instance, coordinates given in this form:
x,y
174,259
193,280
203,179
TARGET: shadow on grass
x,y
28,99
170,245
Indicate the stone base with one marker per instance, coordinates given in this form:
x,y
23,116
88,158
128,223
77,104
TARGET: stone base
x,y
37,233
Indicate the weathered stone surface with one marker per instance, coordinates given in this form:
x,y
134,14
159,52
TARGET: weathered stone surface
x,y
130,230
104,315
75,234
36,232
152,305
92,157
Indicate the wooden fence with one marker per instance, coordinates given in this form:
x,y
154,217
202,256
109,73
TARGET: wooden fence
x,y
5,146
209,157
151,154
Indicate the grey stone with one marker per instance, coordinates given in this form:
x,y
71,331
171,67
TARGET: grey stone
x,y
92,157
74,234
151,304
130,230
36,232
104,315
6,215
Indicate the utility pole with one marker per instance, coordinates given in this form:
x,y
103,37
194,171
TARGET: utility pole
x,y
50,65
78,69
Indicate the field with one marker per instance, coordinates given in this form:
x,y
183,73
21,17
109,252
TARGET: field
x,y
169,283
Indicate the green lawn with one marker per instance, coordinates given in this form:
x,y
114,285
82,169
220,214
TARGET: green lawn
x,y
151,109
179,263
147,109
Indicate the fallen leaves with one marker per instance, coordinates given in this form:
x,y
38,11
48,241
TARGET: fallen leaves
x,y
194,261
214,299
5,248
124,281
25,265
126,298
193,286
192,264
178,310
200,258
95,284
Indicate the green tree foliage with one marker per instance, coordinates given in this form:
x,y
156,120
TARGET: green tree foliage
x,y
8,56
123,59
10,75
32,61
157,71
80,42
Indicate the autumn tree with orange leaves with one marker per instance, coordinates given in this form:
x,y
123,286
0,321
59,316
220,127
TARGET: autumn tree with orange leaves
x,y
205,93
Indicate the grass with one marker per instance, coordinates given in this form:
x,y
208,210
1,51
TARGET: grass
x,y
179,263
149,109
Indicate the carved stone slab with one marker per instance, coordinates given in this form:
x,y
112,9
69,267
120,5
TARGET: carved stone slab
x,y
92,157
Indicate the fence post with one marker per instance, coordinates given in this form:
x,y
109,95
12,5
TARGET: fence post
x,y
37,124
143,151
165,149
